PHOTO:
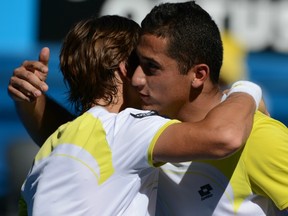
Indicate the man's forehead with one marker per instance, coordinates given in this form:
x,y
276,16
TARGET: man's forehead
x,y
153,40
151,47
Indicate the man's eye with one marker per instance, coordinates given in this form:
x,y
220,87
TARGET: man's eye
x,y
149,69
152,66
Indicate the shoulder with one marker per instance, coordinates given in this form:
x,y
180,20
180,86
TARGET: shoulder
x,y
268,127
268,141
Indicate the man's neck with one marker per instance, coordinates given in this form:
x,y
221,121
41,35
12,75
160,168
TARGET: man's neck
x,y
117,104
197,109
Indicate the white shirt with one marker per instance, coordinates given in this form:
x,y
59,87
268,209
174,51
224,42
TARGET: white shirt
x,y
98,164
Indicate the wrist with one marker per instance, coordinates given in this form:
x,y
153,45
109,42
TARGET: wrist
x,y
247,87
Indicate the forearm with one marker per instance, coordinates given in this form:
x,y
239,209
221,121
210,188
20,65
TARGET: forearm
x,y
237,112
222,132
230,123
42,117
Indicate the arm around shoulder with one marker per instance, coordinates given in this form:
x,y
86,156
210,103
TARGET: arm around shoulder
x,y
40,115
223,131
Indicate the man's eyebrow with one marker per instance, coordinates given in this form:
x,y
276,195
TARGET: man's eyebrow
x,y
149,59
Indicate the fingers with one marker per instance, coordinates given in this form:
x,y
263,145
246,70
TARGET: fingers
x,y
33,72
263,108
36,67
17,93
26,83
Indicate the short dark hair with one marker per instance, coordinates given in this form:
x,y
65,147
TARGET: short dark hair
x,y
193,36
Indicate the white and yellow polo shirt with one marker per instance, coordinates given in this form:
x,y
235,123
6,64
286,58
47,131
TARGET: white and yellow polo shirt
x,y
98,164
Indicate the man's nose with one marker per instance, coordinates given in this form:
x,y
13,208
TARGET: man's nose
x,y
138,78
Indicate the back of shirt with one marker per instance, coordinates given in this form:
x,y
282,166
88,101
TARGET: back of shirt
x,y
98,164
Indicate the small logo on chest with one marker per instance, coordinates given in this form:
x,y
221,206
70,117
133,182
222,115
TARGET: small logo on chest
x,y
205,191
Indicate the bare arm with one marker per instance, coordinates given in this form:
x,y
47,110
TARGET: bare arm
x,y
40,115
223,131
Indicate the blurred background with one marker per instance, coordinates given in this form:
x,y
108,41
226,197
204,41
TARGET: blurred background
x,y
255,37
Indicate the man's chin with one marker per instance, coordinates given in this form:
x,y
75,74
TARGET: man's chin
x,y
154,108
148,107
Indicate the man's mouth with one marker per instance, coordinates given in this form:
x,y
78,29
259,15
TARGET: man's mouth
x,y
144,98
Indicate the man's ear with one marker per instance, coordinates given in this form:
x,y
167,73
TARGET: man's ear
x,y
200,75
122,68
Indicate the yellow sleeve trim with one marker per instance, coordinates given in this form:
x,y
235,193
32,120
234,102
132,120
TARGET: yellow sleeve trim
x,y
155,138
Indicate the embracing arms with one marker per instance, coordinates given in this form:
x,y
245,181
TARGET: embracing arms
x,y
40,114
224,130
